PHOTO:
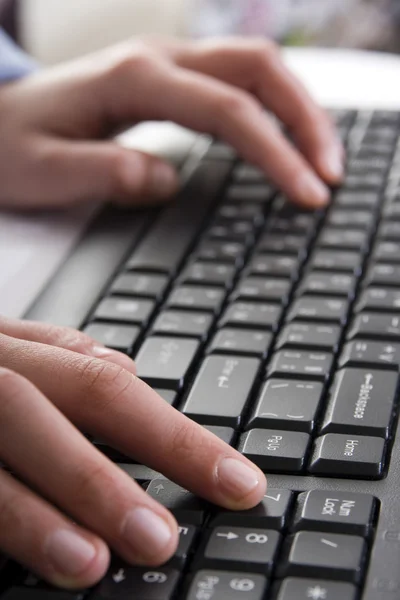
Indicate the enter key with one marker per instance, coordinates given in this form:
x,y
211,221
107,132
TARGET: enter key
x,y
361,402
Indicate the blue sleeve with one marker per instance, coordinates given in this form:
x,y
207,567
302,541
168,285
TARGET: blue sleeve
x,y
13,62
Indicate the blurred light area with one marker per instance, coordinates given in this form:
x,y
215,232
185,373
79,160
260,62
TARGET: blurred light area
x,y
55,30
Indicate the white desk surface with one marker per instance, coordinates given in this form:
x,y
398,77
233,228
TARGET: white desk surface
x,y
33,246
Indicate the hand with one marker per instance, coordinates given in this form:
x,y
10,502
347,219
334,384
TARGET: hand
x,y
55,380
53,125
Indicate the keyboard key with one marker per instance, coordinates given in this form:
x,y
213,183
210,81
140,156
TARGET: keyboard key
x,y
183,323
140,473
361,402
239,548
291,219
140,285
274,265
186,507
286,404
271,513
364,181
261,192
165,362
232,230
387,252
379,299
128,310
162,252
275,450
328,284
376,326
257,288
187,537
118,337
311,308
220,585
219,251
389,230
122,582
336,512
226,434
316,589
358,219
383,274
309,336
252,314
221,390
342,239
198,298
282,244
242,212
338,455
334,260
357,199
297,363
245,173
167,395
329,555
367,354
209,274
241,342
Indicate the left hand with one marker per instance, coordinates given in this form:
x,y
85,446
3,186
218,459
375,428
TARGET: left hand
x,y
53,124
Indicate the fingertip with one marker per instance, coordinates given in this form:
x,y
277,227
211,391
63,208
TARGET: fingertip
x,y
310,191
331,164
89,574
241,483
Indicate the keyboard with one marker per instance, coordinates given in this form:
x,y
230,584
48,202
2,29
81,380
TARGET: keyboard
x,y
278,330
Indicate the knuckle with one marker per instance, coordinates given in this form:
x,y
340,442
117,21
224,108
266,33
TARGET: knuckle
x,y
10,384
232,104
104,382
138,59
186,439
13,507
92,480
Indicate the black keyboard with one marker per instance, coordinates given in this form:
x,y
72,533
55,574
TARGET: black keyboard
x,y
279,330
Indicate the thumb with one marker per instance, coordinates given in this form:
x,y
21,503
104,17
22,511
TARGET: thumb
x,y
76,172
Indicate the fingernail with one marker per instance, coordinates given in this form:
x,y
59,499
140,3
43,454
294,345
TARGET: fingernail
x,y
147,533
164,180
69,553
312,191
238,478
333,161
115,357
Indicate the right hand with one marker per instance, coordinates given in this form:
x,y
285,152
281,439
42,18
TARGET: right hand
x,y
54,381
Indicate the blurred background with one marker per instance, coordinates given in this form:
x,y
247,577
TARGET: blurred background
x,y
56,30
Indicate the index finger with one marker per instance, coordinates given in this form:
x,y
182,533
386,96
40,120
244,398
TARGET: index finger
x,y
119,408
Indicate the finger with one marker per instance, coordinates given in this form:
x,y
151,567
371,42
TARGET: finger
x,y
101,171
205,104
123,411
54,458
35,534
257,66
63,337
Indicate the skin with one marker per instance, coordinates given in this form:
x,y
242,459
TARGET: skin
x,y
55,127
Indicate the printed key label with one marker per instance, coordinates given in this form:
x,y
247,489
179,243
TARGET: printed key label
x,y
242,585
274,443
334,506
